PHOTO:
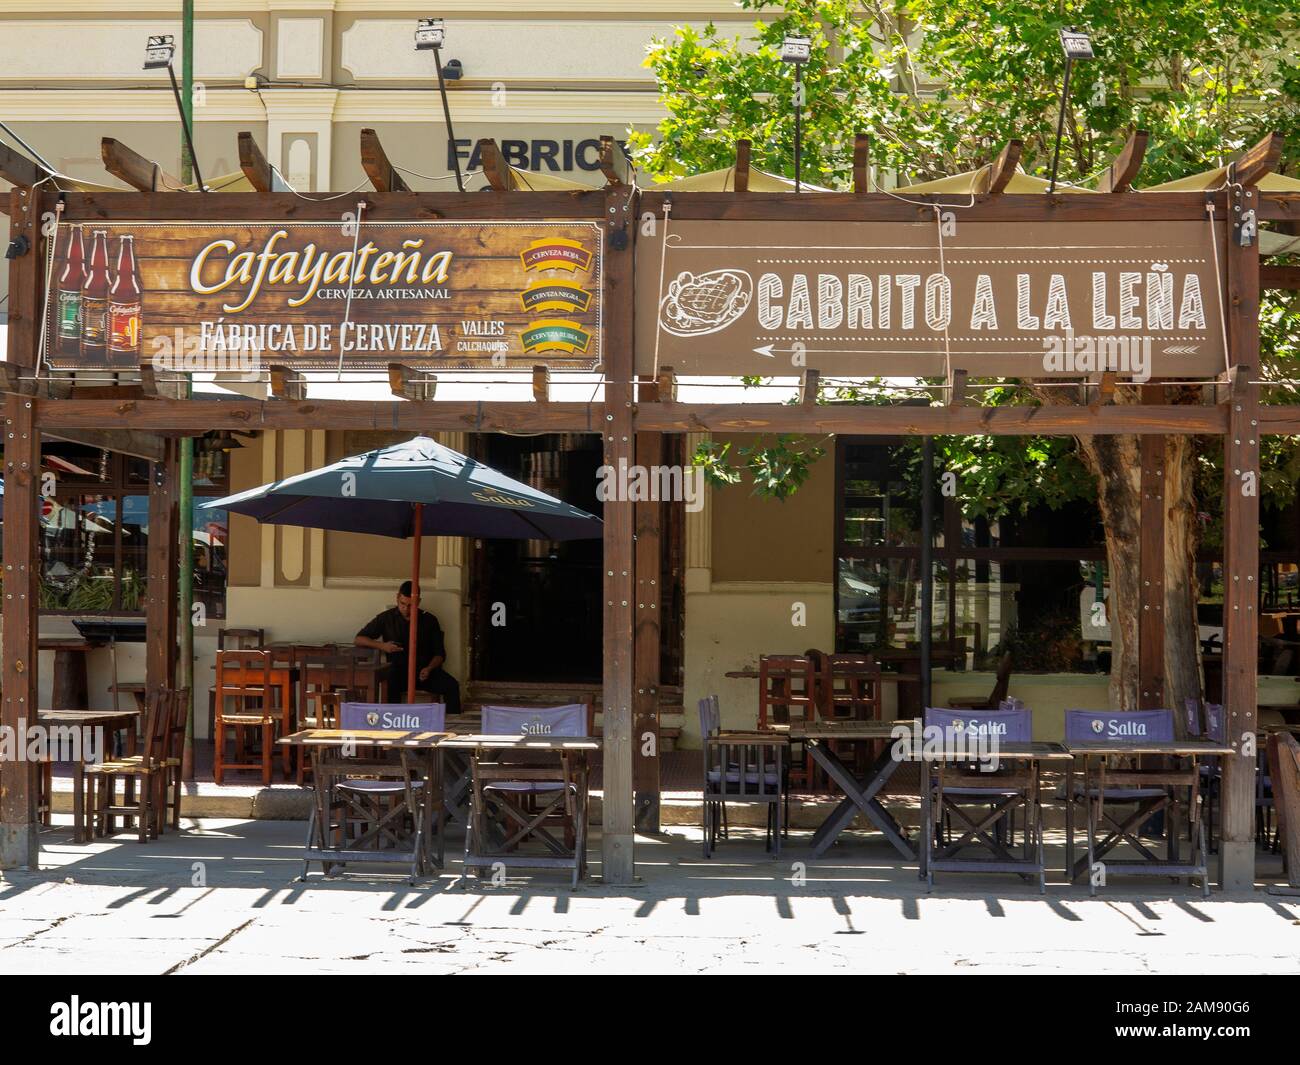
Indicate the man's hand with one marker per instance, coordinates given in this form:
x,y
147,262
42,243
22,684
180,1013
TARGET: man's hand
x,y
424,673
389,648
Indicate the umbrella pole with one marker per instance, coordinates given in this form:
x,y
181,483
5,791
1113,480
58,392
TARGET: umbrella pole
x,y
411,647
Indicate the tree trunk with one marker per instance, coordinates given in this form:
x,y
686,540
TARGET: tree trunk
x,y
1115,462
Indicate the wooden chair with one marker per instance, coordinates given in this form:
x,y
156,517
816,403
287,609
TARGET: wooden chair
x,y
232,640
851,691
147,771
527,793
787,691
994,699
245,678
327,679
174,754
743,767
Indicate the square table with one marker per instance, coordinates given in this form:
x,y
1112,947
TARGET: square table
x,y
111,721
859,794
1024,779
417,756
1171,864
572,754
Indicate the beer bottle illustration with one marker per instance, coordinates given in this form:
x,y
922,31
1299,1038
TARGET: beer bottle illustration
x,y
124,308
71,280
94,301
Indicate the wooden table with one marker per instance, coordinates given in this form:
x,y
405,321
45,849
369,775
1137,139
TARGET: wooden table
x,y
572,754
112,722
335,755
1026,782
70,690
1171,864
859,795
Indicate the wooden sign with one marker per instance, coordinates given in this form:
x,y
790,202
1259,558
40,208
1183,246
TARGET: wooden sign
x,y
1029,299
236,297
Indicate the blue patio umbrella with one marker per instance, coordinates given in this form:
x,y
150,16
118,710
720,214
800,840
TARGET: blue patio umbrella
x,y
409,490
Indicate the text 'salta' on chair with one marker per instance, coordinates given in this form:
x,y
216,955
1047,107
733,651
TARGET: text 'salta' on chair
x,y
522,796
1121,782
741,767
983,803
381,807
247,702
787,694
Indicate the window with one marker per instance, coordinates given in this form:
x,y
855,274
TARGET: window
x,y
94,530
1025,584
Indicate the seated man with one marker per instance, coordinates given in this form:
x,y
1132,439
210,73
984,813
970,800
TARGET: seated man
x,y
390,632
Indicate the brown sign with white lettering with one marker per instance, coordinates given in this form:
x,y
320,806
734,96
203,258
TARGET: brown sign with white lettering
x,y
1032,300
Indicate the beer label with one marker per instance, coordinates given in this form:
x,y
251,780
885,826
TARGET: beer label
x,y
69,314
124,327
94,321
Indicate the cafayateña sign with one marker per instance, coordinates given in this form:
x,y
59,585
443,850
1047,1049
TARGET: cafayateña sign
x,y
188,296
885,298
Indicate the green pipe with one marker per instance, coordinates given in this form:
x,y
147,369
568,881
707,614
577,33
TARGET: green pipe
x,y
185,610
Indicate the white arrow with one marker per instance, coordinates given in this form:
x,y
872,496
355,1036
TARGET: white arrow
x,y
766,351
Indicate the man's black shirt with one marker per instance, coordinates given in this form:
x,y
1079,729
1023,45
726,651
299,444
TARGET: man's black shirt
x,y
391,627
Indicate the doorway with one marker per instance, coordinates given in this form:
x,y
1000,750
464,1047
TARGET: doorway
x,y
535,609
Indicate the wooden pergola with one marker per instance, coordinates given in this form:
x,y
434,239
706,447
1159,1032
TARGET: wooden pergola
x,y
138,416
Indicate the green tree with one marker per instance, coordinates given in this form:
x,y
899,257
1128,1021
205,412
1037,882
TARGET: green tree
x,y
940,86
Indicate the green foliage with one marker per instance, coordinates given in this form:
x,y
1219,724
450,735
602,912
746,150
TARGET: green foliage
x,y
940,86
778,467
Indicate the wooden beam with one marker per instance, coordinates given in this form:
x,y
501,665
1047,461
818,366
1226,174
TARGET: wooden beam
x,y
994,179
254,165
861,148
618,862
743,148
163,567
494,167
140,173
1256,161
1241,490
27,209
243,415
17,169
607,165
1124,167
1283,277
374,161
288,384
19,831
541,384
810,387
957,388
667,385
411,384
1151,575
140,445
1105,389
645,728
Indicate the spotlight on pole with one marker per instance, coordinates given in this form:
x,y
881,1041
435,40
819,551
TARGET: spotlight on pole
x,y
1076,45
430,35
797,51
158,54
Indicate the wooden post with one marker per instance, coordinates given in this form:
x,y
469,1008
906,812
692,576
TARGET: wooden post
x,y
645,731
1240,551
1151,575
617,822
19,833
164,566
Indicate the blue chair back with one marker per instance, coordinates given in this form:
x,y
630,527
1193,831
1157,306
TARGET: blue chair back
x,y
1008,726
1215,724
710,716
1133,726
403,717
541,721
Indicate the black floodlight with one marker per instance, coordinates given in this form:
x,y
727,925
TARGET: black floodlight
x,y
429,34
796,49
159,51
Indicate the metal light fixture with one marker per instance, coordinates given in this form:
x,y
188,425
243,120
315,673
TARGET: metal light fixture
x,y
430,35
797,51
1076,45
158,55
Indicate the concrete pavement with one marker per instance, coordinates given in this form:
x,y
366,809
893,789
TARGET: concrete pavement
x,y
220,897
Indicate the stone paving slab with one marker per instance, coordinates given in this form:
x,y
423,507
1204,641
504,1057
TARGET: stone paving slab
x,y
221,897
